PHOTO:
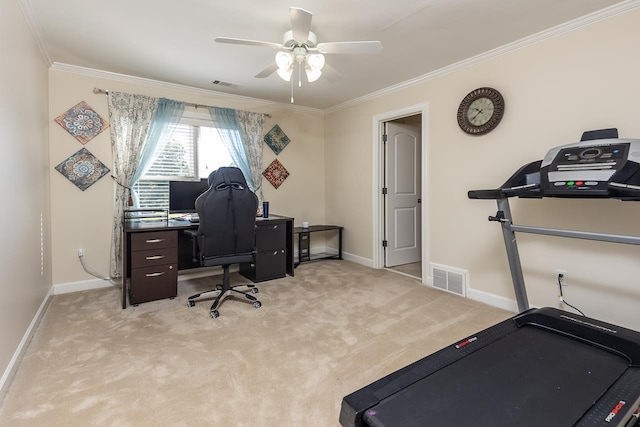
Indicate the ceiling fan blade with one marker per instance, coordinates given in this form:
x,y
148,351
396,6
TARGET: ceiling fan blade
x,y
300,24
366,47
267,71
331,74
248,42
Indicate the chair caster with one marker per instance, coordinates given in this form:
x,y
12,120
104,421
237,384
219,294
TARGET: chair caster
x,y
254,290
257,304
214,314
191,303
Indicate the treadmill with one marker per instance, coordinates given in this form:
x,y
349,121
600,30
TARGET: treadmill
x,y
542,367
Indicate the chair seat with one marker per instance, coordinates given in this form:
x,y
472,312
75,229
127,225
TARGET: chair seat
x,y
228,259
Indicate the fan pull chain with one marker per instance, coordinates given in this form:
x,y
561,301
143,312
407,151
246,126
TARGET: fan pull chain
x,y
299,75
292,91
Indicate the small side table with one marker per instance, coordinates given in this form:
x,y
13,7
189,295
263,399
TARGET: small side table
x,y
304,242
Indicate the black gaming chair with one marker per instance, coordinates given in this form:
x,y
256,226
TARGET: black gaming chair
x,y
226,234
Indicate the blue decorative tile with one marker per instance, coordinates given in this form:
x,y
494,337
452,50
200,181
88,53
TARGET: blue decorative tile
x,y
82,122
83,169
276,139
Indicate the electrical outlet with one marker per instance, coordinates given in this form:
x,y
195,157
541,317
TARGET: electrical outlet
x,y
81,253
561,275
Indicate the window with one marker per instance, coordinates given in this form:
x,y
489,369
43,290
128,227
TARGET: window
x,y
192,153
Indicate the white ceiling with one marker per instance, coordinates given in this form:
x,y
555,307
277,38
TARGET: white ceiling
x,y
173,41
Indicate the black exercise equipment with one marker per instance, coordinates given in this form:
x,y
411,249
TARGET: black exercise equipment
x,y
543,367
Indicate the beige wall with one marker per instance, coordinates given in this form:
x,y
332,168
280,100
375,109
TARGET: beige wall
x,y
554,90
83,219
25,181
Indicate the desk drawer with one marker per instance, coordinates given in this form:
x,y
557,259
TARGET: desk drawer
x,y
271,236
269,265
153,283
153,257
145,241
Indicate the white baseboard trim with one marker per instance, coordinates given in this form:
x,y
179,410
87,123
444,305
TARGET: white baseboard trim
x,y
85,285
367,262
492,300
14,363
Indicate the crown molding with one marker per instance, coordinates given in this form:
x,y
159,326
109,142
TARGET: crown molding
x,y
108,75
32,23
556,31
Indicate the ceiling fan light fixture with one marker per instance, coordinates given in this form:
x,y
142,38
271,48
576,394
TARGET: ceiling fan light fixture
x,y
312,75
315,61
285,74
284,60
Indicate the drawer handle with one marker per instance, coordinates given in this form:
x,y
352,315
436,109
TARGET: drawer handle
x,y
275,252
155,257
273,227
155,274
155,240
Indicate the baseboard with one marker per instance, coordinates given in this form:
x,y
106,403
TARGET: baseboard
x,y
367,262
85,285
14,363
492,300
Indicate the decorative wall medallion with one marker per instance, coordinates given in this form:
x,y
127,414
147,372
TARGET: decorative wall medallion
x,y
82,122
276,139
83,169
275,173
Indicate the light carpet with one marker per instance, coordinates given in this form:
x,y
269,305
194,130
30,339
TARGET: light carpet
x,y
330,330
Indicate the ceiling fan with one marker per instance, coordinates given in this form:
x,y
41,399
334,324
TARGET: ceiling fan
x,y
300,46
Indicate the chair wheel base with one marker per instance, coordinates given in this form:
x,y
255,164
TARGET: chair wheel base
x,y
214,314
191,303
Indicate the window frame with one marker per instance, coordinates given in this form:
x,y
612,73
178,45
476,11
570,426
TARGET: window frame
x,y
196,119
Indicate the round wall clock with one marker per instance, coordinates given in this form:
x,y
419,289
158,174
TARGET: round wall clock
x,y
480,111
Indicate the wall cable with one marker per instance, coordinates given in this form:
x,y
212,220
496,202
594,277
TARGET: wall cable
x,y
561,296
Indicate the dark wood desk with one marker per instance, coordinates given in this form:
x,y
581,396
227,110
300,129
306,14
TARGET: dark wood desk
x,y
154,251
304,242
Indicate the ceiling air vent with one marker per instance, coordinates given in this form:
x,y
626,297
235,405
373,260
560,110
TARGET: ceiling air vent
x,y
449,279
221,83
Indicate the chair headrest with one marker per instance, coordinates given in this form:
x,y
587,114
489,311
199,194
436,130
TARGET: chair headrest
x,y
223,177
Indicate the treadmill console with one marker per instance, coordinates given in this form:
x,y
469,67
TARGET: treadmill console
x,y
587,168
601,165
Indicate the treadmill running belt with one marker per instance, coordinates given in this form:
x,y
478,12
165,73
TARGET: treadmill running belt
x,y
490,385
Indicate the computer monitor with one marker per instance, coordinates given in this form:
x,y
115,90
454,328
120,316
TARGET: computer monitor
x,y
183,195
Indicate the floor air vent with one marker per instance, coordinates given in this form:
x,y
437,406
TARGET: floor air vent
x,y
449,279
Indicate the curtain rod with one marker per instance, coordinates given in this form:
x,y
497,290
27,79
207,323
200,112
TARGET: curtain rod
x,y
189,104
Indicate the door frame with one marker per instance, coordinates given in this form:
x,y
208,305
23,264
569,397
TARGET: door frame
x,y
378,181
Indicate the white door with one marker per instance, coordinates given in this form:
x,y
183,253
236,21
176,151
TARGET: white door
x,y
403,193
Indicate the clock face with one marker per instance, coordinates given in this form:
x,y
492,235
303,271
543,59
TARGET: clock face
x,y
480,111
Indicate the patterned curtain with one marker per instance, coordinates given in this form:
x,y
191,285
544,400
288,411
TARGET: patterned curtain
x,y
252,125
167,116
130,118
242,132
